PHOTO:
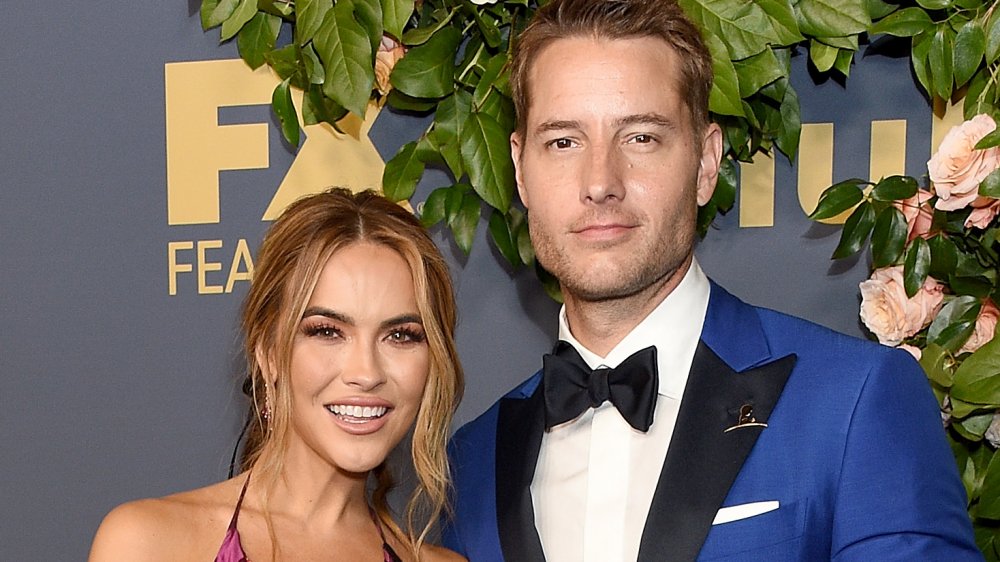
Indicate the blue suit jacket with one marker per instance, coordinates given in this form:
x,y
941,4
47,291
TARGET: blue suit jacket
x,y
854,453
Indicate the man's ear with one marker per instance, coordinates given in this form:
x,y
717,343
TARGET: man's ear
x,y
711,159
516,146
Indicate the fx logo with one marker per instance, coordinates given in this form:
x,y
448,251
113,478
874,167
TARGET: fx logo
x,y
198,148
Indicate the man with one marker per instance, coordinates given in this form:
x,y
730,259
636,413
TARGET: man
x,y
769,438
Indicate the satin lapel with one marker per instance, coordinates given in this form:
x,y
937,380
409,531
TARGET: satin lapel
x,y
703,460
520,425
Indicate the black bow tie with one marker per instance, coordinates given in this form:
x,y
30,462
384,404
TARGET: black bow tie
x,y
570,386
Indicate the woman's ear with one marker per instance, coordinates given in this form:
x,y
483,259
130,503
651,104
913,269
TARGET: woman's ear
x,y
267,366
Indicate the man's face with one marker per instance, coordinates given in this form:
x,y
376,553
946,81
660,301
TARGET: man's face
x,y
610,166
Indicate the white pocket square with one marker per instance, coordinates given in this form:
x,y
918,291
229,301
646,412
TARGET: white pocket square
x,y
743,511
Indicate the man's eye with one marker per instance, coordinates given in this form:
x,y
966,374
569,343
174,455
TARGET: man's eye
x,y
642,139
562,143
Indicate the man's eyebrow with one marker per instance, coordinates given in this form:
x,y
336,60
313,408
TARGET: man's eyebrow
x,y
646,119
557,125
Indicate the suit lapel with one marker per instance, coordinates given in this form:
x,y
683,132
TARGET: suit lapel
x,y
703,459
520,425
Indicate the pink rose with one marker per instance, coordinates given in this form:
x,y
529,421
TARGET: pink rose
x,y
889,314
919,214
913,350
984,210
388,54
986,325
957,168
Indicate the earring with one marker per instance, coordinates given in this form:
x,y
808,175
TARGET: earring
x,y
266,412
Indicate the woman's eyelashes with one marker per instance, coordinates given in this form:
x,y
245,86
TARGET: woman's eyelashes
x,y
401,335
321,330
406,334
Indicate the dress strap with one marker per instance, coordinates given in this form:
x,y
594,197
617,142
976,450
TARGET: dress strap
x,y
388,554
239,504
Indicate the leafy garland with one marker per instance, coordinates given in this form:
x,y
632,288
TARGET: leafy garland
x,y
935,250
449,58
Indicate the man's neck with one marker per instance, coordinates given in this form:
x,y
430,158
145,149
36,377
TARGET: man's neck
x,y
600,325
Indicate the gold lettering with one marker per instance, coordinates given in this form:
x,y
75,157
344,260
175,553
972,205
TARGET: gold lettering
x,y
757,192
242,255
816,166
197,146
945,116
173,268
888,149
204,266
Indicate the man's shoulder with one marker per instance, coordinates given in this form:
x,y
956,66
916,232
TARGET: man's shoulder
x,y
486,422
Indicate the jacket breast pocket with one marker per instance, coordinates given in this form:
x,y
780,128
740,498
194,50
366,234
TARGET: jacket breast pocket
x,y
775,535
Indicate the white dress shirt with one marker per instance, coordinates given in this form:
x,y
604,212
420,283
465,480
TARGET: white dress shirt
x,y
595,475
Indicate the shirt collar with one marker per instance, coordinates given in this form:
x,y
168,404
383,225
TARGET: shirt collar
x,y
674,327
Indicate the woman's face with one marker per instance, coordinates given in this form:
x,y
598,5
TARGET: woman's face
x,y
359,361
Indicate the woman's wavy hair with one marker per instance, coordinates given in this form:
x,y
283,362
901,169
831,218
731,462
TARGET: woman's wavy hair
x,y
289,263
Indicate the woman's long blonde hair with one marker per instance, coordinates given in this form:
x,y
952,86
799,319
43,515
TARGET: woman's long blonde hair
x,y
291,257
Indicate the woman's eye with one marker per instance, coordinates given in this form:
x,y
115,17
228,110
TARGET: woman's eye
x,y
405,335
322,331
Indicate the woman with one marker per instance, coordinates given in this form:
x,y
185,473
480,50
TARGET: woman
x,y
349,337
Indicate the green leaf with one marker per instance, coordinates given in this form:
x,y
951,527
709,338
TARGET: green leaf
x,y
399,100
916,266
783,22
281,101
894,188
993,38
970,44
724,98
822,56
990,140
845,57
490,77
888,237
977,379
973,427
831,18
758,71
934,4
940,58
955,318
944,256
284,61
313,66
524,247
989,499
214,12
725,189
991,185
346,53
368,13
977,88
849,43
491,34
403,171
451,114
744,26
788,136
935,359
463,227
486,158
919,57
503,238
433,210
395,15
428,71
244,12
257,38
878,9
309,16
903,23
281,8
838,198
420,35
317,108
856,230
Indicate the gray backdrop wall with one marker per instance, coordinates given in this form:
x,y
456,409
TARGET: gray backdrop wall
x,y
112,389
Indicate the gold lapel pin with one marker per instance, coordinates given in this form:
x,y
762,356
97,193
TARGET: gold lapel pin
x,y
746,419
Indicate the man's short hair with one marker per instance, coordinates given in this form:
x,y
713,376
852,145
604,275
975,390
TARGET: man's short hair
x,y
616,19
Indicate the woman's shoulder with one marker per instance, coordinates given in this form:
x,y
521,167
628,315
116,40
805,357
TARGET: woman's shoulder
x,y
432,553
151,529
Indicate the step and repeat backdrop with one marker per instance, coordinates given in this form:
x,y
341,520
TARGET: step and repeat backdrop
x,y
139,167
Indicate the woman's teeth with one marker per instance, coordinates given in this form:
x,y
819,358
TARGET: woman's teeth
x,y
359,412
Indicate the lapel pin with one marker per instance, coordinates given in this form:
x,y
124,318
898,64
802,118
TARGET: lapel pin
x,y
746,419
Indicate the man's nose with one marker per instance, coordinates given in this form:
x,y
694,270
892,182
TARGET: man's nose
x,y
602,179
